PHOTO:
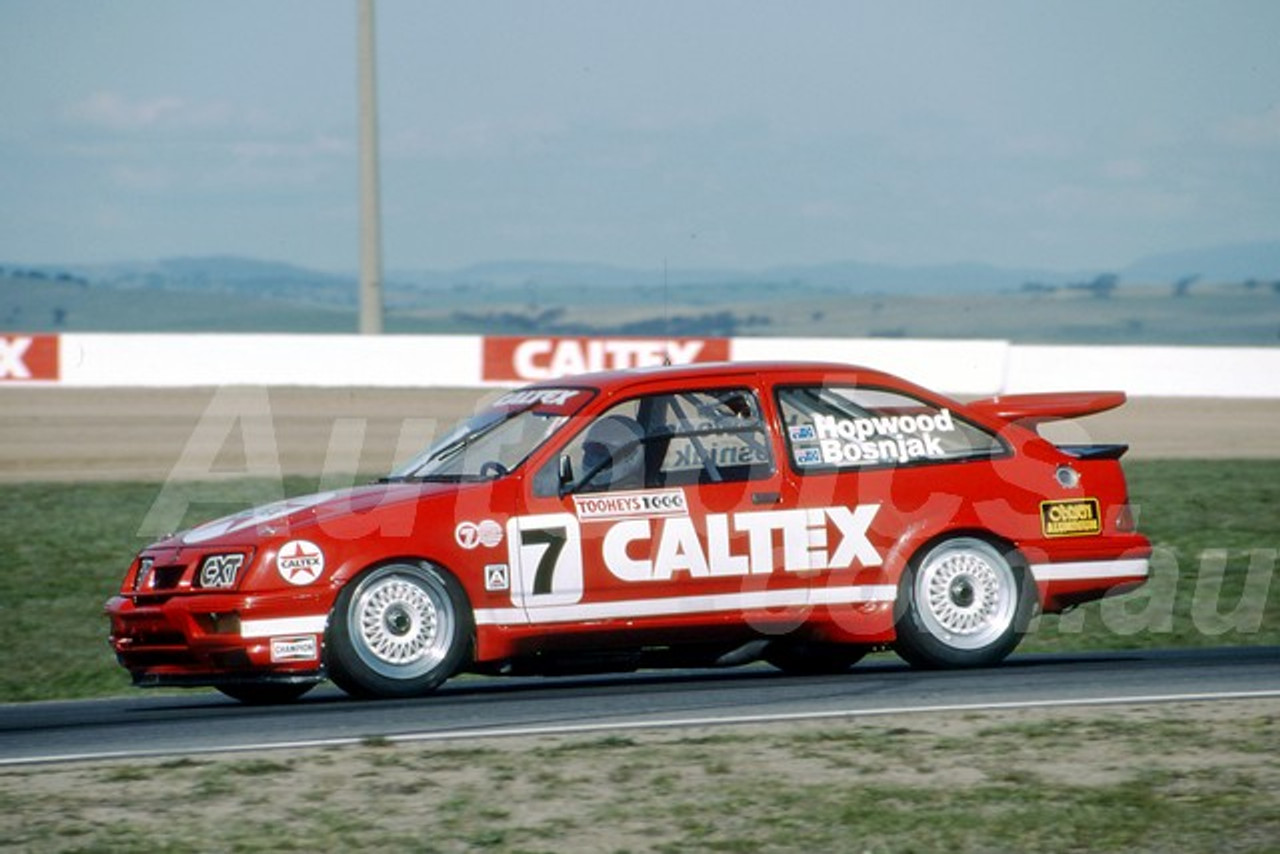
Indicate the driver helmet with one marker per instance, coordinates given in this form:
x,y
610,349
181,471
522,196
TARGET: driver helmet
x,y
614,451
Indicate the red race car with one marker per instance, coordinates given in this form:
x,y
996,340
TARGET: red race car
x,y
803,514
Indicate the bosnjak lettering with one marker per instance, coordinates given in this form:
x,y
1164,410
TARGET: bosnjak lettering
x,y
1073,518
882,439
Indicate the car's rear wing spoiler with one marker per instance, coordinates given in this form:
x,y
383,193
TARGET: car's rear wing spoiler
x,y
1030,410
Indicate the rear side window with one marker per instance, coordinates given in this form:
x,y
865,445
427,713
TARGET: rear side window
x,y
855,427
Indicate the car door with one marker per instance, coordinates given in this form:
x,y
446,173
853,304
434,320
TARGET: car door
x,y
661,510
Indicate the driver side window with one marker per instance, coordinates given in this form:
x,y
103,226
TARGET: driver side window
x,y
710,436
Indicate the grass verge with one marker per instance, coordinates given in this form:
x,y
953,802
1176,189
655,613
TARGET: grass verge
x,y
1047,781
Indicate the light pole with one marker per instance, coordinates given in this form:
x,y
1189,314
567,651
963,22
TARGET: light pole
x,y
370,215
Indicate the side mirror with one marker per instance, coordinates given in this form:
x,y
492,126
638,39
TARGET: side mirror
x,y
566,474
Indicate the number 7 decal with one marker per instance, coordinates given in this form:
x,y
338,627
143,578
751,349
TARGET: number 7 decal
x,y
545,553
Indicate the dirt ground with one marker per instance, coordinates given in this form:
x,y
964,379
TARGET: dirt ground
x,y
153,434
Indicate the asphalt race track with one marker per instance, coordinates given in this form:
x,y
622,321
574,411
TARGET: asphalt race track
x,y
158,725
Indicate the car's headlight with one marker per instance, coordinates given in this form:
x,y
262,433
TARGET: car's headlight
x,y
142,580
218,572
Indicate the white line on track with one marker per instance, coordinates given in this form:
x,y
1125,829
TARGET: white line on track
x,y
655,723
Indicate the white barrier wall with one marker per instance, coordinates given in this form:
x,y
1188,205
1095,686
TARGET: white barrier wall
x,y
305,360
1148,371
970,368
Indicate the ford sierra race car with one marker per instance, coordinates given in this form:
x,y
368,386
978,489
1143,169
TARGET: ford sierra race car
x,y
710,515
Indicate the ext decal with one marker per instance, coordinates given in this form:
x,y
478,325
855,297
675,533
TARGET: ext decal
x,y
1078,517
219,571
300,562
631,505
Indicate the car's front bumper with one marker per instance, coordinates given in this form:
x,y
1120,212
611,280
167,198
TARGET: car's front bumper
x,y
219,639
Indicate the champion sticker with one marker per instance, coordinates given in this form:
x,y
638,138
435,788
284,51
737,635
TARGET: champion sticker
x,y
303,648
300,562
487,533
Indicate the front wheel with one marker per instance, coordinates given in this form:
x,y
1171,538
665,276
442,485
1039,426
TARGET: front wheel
x,y
398,631
965,606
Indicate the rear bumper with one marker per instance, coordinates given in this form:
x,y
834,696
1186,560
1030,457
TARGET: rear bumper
x,y
1065,583
202,639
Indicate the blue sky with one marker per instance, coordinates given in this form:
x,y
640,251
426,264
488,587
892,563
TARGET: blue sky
x,y
1063,135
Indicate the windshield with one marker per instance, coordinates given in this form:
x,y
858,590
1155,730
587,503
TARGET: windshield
x,y
492,443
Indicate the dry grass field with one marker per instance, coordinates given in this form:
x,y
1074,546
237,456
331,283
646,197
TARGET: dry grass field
x,y
1054,780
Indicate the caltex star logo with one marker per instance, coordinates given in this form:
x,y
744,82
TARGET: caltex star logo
x,y
300,562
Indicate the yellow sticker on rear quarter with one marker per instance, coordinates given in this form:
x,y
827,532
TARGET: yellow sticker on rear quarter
x,y
1075,517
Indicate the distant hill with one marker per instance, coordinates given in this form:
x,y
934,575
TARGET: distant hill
x,y
1219,295
276,280
225,274
845,276
1240,262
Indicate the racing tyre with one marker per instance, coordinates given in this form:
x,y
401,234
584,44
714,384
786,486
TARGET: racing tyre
x,y
398,631
814,659
966,605
266,693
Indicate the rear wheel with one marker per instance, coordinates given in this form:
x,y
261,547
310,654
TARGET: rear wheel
x,y
398,631
966,606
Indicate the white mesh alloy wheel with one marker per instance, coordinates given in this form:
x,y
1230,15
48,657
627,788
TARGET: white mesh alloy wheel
x,y
966,594
965,606
401,624
399,630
